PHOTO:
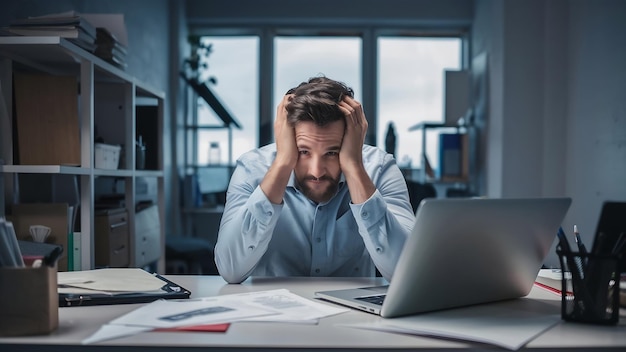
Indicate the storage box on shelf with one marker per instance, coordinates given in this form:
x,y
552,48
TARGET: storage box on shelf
x,y
107,156
58,57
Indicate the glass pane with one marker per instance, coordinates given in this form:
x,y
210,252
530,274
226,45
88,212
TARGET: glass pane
x,y
299,58
411,83
233,62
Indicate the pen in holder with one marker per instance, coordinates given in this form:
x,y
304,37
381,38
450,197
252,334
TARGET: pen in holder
x,y
594,293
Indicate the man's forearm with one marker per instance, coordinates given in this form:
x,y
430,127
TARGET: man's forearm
x,y
360,184
245,232
275,181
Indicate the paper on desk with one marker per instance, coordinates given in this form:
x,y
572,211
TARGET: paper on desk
x,y
110,331
288,306
509,324
274,305
111,280
174,313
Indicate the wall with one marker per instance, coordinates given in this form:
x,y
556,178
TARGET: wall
x,y
148,27
557,115
596,135
330,12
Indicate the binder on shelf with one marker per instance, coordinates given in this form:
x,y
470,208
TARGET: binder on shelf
x,y
450,155
46,114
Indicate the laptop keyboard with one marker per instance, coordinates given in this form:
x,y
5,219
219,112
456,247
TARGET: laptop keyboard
x,y
377,299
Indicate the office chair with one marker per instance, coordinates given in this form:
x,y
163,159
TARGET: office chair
x,y
419,191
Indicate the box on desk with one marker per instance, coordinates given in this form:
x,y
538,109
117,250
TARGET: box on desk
x,y
28,301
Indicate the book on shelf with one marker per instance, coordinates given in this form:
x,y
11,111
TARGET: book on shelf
x,y
111,37
450,154
64,19
70,25
109,48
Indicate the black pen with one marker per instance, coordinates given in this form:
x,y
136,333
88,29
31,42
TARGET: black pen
x,y
563,241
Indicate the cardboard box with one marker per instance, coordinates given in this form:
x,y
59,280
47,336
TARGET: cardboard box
x,y
107,156
29,301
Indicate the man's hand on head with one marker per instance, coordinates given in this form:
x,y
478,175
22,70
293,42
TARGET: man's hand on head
x,y
286,149
359,183
351,154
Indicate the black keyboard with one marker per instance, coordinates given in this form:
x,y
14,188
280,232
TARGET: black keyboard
x,y
378,299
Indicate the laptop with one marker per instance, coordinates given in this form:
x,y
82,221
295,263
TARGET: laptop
x,y
464,251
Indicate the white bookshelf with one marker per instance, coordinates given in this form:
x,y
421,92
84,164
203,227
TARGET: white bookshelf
x,y
102,85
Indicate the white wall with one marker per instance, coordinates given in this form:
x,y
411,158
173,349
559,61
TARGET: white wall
x,y
596,122
557,112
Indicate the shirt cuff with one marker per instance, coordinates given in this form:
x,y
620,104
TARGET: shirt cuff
x,y
261,208
371,211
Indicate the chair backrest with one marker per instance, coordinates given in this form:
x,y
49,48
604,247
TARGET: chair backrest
x,y
419,191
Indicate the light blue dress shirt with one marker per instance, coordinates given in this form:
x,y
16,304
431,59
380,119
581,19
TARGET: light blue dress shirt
x,y
302,238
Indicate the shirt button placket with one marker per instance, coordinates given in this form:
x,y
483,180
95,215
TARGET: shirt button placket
x,y
318,243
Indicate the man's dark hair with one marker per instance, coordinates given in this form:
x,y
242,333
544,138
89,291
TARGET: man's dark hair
x,y
317,101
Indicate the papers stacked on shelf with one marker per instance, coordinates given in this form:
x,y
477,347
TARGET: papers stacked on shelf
x,y
69,25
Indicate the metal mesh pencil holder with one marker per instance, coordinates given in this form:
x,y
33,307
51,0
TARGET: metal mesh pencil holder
x,y
589,287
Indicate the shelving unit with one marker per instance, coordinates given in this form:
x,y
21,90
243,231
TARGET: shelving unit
x,y
423,177
109,98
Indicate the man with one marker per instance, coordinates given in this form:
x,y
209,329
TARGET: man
x,y
318,202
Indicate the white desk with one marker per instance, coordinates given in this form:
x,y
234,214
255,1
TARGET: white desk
x,y
77,323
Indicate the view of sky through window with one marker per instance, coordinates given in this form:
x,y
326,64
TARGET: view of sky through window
x,y
410,85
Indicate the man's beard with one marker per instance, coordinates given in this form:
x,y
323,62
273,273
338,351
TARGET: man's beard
x,y
333,185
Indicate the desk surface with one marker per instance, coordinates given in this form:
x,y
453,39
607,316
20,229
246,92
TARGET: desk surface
x,y
77,323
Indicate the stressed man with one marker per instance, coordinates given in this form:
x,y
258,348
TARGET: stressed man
x,y
317,202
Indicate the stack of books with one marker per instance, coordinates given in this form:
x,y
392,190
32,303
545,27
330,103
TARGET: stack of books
x,y
70,25
109,48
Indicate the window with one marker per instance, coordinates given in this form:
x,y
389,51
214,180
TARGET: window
x,y
299,58
234,65
410,91
408,88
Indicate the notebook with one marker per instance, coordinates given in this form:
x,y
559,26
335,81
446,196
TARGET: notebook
x,y
464,251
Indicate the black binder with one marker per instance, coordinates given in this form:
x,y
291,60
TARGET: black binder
x,y
170,290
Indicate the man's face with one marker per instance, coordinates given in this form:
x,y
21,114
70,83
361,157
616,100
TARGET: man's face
x,y
317,170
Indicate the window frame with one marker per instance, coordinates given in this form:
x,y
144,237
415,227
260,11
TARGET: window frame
x,y
369,62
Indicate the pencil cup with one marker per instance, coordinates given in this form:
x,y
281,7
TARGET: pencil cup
x,y
29,302
593,296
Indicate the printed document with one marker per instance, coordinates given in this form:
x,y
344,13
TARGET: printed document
x,y
273,305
